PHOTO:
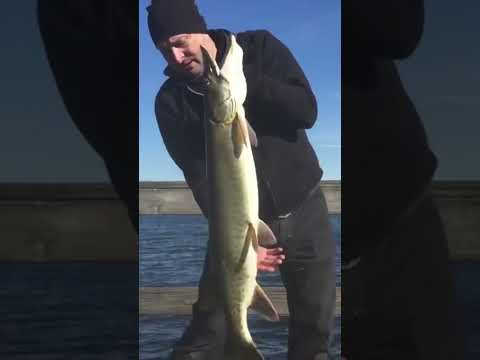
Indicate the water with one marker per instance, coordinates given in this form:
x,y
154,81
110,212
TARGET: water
x,y
172,250
468,297
78,311
89,311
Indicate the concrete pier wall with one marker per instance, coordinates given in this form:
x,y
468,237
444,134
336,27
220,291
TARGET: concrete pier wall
x,y
459,206
176,198
64,222
87,222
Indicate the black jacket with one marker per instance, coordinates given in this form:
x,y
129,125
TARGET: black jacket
x,y
386,161
280,105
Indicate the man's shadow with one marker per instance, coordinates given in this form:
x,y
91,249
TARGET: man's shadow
x,y
92,48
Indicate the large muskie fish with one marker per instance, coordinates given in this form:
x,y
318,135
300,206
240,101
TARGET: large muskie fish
x,y
235,230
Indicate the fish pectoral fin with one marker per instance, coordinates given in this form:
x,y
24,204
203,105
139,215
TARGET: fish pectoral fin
x,y
253,236
247,129
251,134
263,305
250,239
238,137
265,235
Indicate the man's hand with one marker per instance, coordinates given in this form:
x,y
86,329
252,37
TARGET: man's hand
x,y
269,259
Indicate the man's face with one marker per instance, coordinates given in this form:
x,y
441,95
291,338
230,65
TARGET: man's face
x,y
182,52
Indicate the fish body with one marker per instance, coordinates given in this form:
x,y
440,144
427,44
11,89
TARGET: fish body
x,y
234,227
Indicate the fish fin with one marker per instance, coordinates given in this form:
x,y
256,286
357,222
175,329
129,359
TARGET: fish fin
x,y
247,128
250,239
242,123
238,137
251,134
263,305
241,350
253,236
265,235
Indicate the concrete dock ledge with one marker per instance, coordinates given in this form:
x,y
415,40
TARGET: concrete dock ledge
x,y
179,301
174,197
87,222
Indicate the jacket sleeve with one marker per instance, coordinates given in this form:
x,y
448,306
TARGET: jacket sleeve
x,y
167,113
278,88
390,29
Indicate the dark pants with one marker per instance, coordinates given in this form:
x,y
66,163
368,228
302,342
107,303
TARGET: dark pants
x,y
398,302
308,275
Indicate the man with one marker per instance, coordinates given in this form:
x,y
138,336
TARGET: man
x,y
279,106
397,291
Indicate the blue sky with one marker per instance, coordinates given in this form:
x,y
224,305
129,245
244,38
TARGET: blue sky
x,y
40,143
311,30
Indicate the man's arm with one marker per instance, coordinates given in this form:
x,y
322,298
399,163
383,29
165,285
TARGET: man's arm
x,y
277,88
167,113
390,29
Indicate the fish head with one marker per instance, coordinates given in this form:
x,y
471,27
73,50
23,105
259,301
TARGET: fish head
x,y
218,96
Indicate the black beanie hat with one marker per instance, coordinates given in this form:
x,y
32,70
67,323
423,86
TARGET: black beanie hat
x,y
171,17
